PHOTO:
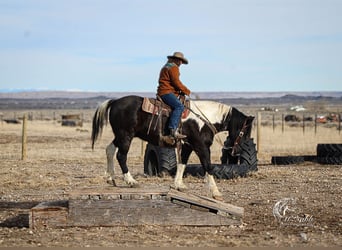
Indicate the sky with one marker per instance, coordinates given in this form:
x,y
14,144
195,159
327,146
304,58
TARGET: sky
x,y
121,45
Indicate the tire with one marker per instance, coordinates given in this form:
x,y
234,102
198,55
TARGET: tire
x,y
329,154
220,171
226,157
248,154
167,160
287,160
248,163
231,171
330,160
151,160
158,159
195,170
329,150
312,158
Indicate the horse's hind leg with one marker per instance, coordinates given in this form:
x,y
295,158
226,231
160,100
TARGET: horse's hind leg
x,y
122,159
110,151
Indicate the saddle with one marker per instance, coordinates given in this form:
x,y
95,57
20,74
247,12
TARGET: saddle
x,y
158,108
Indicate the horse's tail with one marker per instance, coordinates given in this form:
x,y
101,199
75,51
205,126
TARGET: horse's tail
x,y
99,120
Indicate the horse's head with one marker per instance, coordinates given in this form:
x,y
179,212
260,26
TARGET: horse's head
x,y
239,127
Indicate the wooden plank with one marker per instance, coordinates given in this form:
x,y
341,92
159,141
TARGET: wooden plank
x,y
131,206
142,212
220,207
49,214
114,191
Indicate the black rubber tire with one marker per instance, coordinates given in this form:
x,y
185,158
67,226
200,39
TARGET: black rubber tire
x,y
287,160
329,150
158,159
226,157
337,160
248,163
220,171
312,158
151,160
248,153
232,171
168,160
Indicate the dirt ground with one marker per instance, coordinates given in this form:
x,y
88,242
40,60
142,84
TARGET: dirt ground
x,y
60,159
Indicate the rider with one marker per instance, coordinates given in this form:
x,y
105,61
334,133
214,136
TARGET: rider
x,y
169,89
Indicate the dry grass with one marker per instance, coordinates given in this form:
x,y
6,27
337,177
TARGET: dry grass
x,y
60,159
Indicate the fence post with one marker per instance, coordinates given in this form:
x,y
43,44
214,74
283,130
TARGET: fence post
x,y
273,123
315,123
258,132
24,139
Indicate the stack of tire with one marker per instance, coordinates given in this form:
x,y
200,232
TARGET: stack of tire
x,y
325,154
159,160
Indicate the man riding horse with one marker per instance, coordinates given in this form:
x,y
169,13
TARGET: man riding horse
x,y
169,90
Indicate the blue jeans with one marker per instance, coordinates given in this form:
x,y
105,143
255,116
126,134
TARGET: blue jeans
x,y
177,109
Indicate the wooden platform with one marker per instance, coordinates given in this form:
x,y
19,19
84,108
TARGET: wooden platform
x,y
130,207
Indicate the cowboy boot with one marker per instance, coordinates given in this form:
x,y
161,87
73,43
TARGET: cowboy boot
x,y
175,133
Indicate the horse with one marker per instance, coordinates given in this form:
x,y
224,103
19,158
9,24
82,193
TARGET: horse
x,y
205,119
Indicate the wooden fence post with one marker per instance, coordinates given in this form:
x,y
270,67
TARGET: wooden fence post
x,y
24,139
315,124
258,132
273,123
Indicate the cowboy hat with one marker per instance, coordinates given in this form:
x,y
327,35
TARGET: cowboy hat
x,y
179,55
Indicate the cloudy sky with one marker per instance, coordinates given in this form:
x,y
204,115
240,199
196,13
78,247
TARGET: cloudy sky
x,y
120,45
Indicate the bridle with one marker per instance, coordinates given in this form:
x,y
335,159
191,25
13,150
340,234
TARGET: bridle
x,y
239,137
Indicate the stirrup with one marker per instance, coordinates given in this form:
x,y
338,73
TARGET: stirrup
x,y
174,133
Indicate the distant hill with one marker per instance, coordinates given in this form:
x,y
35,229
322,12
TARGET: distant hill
x,y
90,100
201,95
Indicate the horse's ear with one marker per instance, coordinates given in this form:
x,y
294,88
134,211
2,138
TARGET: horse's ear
x,y
250,118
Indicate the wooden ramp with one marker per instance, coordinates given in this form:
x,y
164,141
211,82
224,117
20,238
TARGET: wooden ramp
x,y
129,207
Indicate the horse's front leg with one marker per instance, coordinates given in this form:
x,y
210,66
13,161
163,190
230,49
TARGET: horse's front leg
x,y
181,165
122,159
215,193
204,156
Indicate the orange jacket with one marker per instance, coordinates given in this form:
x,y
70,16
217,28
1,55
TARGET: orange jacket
x,y
169,81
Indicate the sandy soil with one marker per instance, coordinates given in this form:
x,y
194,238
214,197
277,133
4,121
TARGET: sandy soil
x,y
60,159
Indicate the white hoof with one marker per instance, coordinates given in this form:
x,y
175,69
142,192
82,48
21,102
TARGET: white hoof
x,y
111,181
130,180
217,196
181,186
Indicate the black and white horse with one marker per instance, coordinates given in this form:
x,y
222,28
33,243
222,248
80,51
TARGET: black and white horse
x,y
206,118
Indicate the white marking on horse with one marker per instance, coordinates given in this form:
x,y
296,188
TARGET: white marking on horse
x,y
110,152
212,111
179,184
